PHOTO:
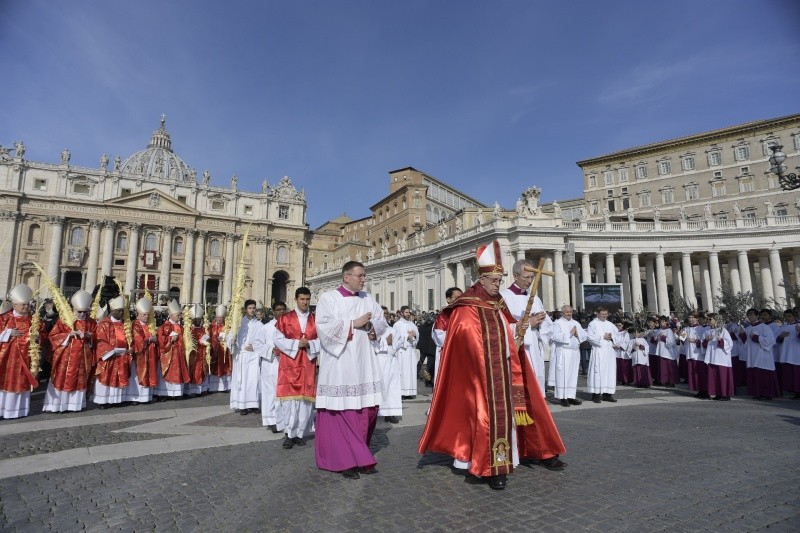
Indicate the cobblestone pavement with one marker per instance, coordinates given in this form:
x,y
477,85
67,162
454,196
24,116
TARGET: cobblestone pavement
x,y
657,460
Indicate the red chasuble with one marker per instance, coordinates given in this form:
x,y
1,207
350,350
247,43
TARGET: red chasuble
x,y
197,360
296,377
72,363
15,374
145,354
116,370
220,356
480,388
441,321
173,358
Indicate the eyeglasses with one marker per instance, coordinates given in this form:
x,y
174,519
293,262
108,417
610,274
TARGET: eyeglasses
x,y
493,281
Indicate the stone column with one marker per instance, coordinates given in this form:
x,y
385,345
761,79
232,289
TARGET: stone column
x,y
460,281
547,285
166,259
661,284
133,256
520,254
9,227
573,288
561,295
611,270
188,264
269,271
705,285
108,247
625,279
54,258
796,267
766,277
636,283
744,272
715,277
733,274
92,262
599,271
650,284
586,277
777,277
688,280
199,267
677,278
227,283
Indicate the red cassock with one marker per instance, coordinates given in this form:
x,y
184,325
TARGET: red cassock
x,y
173,357
15,373
220,356
441,321
479,389
72,363
296,377
197,361
145,354
116,370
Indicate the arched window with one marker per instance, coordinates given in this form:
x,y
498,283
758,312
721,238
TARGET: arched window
x,y
283,254
76,236
177,246
215,248
122,241
150,241
35,234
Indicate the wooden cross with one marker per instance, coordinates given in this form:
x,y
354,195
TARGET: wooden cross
x,y
523,322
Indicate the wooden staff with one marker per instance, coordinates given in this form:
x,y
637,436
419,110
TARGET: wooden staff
x,y
523,322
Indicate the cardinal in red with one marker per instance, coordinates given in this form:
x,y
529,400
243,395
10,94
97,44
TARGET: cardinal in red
x,y
113,356
144,366
220,378
16,378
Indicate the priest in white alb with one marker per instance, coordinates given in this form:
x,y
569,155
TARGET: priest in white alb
x,y
566,336
391,407
601,376
245,371
269,360
406,336
349,388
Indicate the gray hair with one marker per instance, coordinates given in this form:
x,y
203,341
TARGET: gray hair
x,y
519,265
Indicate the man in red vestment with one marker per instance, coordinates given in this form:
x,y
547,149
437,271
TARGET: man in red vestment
x,y
174,369
73,358
145,354
198,367
487,410
296,338
112,355
16,378
220,378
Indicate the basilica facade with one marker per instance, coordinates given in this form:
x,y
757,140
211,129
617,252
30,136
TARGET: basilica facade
x,y
149,221
684,217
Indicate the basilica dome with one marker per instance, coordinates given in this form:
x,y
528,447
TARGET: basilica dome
x,y
158,161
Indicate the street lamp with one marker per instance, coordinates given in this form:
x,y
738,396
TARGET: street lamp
x,y
789,182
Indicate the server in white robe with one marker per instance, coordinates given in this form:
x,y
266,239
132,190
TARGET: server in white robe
x,y
268,361
718,345
406,336
601,378
762,382
516,297
567,336
391,407
349,388
788,340
439,330
245,372
667,354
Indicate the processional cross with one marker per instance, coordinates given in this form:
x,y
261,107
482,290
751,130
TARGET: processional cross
x,y
522,325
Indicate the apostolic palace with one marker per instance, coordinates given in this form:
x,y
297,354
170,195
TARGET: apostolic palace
x,y
685,217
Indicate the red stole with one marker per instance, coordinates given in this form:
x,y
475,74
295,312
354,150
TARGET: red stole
x,y
14,360
296,377
146,355
116,370
72,363
220,356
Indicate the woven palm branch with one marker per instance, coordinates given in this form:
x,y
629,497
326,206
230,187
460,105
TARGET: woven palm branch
x,y
34,349
96,303
188,340
64,309
234,318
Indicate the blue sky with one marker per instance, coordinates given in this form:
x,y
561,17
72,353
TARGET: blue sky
x,y
490,97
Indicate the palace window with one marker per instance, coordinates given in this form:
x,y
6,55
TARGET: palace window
x,y
717,188
283,212
644,199
746,184
641,171
664,167
766,146
722,215
35,234
687,162
76,237
125,192
774,183
592,181
121,244
691,192
796,139
82,188
217,205
215,248
667,195
626,203
282,255
182,199
781,211
39,185
150,242
594,208
608,177
623,175
177,246
714,158
742,153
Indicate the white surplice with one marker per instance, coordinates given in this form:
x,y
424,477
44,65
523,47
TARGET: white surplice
x,y
534,340
601,376
392,404
349,371
406,352
566,356
245,371
268,373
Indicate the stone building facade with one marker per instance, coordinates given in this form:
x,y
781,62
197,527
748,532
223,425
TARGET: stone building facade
x,y
750,240
147,218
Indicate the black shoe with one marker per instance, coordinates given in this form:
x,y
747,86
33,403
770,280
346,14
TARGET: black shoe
x,y
299,441
574,401
288,443
244,412
554,463
369,471
609,398
391,419
272,428
717,397
725,399
564,403
351,473
596,398
497,482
